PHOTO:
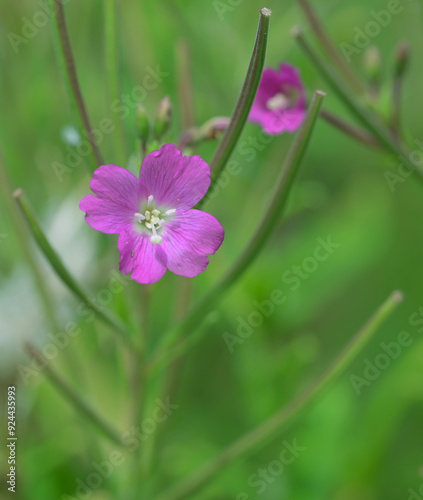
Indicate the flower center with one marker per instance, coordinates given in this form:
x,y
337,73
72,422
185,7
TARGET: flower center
x,y
153,220
278,101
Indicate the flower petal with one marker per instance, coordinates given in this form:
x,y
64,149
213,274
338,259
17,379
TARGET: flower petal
x,y
118,193
104,215
174,180
286,120
139,255
273,82
188,238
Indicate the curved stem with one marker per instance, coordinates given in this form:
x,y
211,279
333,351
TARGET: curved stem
x,y
112,70
356,133
142,386
245,101
71,76
257,242
258,436
350,76
184,84
60,269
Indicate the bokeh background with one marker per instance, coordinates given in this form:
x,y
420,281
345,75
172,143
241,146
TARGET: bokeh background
x,y
367,445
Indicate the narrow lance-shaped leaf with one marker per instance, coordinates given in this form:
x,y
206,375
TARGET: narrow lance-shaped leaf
x,y
57,264
245,101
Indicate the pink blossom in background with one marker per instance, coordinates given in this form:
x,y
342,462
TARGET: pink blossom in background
x,y
153,215
280,101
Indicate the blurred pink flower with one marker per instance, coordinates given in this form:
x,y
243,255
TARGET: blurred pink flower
x,y
280,102
153,215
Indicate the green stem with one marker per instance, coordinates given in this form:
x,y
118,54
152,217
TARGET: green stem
x,y
184,84
264,230
112,70
372,122
72,83
245,101
57,264
141,458
68,392
319,30
260,434
356,133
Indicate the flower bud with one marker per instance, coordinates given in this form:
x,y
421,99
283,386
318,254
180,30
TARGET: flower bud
x,y
142,123
372,61
214,127
402,58
163,118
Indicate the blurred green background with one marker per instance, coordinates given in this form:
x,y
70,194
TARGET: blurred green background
x,y
357,446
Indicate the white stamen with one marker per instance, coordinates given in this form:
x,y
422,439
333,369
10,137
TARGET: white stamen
x,y
151,220
139,217
156,239
172,211
278,101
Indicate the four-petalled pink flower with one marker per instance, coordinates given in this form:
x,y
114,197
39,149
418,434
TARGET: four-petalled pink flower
x,y
153,215
280,101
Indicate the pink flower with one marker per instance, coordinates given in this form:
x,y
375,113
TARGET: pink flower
x,y
280,102
153,215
